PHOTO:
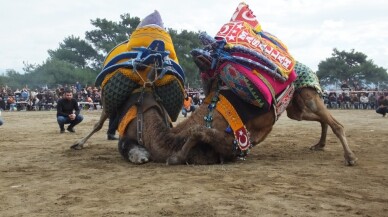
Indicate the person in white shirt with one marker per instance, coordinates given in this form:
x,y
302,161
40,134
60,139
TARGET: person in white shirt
x,y
364,101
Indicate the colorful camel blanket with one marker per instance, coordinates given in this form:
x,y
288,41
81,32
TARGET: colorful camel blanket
x,y
254,64
147,59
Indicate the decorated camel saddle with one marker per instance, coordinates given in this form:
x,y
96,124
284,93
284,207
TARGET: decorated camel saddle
x,y
146,62
251,62
255,65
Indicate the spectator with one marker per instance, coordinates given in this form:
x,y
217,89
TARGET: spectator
x,y
333,100
24,95
2,104
383,106
68,112
347,101
355,101
340,100
96,96
11,103
364,101
197,100
187,105
372,100
345,86
78,86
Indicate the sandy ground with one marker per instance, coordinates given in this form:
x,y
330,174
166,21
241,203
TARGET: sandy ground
x,y
41,176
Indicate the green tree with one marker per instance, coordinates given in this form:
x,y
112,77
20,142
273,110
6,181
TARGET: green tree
x,y
14,79
58,72
108,34
184,42
77,52
351,66
81,60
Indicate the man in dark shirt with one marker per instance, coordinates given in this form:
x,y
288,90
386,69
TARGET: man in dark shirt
x,y
383,106
68,112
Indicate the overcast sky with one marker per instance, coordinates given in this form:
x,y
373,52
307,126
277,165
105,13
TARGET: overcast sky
x,y
310,28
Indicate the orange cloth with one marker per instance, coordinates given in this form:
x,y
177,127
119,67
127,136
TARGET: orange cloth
x,y
187,103
129,116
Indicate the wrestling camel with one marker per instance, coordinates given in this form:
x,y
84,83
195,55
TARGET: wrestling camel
x,y
209,135
147,62
192,142
249,79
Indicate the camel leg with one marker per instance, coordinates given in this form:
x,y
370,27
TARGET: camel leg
x,y
202,135
297,114
315,110
322,141
79,145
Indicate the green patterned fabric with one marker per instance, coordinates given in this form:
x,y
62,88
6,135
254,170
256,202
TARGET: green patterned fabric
x,y
117,90
172,98
120,87
306,77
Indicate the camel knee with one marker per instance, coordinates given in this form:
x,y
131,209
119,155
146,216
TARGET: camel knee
x,y
338,130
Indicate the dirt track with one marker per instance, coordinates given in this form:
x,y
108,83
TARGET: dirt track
x,y
41,176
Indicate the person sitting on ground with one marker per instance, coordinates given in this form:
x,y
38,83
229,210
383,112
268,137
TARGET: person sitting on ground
x,y
187,105
383,106
68,112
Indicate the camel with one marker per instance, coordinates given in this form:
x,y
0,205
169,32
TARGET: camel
x,y
190,141
249,79
146,61
205,137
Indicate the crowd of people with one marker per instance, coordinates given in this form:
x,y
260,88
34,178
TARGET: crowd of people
x,y
89,97
362,99
26,99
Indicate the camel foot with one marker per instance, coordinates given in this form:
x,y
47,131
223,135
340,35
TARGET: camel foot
x,y
76,146
138,155
318,147
350,160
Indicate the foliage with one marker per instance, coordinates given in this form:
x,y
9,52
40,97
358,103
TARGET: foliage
x,y
109,34
77,52
352,67
80,60
184,42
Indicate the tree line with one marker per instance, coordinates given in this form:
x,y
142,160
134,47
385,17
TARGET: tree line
x,y
78,59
